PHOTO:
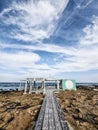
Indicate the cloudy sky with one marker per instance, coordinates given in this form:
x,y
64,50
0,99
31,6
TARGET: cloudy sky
x,y
49,38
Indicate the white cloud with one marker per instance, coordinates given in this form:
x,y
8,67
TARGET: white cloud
x,y
90,33
14,61
33,20
23,64
85,56
83,3
52,48
84,59
81,58
74,59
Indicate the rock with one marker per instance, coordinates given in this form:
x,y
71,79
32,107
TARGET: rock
x,y
96,120
80,108
18,110
8,117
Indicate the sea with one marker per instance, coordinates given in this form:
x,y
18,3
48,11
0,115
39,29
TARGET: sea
x,y
10,86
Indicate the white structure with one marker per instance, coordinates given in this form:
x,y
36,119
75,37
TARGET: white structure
x,y
30,84
21,85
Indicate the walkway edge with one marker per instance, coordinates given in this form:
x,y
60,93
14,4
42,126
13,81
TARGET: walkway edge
x,y
63,123
62,119
39,122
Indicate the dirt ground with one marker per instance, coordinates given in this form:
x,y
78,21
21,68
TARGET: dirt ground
x,y
17,111
80,108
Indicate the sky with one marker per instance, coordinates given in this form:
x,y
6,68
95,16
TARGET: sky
x,y
49,38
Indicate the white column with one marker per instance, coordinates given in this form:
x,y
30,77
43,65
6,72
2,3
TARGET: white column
x,y
43,84
25,89
34,83
19,89
58,84
30,89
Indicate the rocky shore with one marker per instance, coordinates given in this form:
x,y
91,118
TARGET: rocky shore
x,y
17,111
80,108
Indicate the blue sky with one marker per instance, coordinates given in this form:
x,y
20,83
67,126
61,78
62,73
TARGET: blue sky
x,y
46,38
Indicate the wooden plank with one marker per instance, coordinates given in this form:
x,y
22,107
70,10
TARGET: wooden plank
x,y
39,122
56,117
45,120
62,120
51,116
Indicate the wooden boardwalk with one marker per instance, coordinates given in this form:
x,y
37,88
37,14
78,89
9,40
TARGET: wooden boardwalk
x,y
51,116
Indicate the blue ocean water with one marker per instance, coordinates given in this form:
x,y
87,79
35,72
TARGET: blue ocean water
x,y
87,84
7,86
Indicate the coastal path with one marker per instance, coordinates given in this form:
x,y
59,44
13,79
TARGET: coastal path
x,y
51,116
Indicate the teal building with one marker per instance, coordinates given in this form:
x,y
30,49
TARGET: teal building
x,y
68,84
